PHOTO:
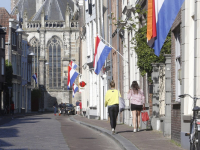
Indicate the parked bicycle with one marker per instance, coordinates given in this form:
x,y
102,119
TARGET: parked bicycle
x,y
194,134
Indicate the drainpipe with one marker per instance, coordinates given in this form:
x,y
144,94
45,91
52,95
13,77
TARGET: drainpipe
x,y
111,72
118,45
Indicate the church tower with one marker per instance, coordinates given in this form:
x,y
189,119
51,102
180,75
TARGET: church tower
x,y
13,3
39,4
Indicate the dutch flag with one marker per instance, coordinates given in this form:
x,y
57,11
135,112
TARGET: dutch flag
x,y
35,77
101,53
72,74
161,16
75,89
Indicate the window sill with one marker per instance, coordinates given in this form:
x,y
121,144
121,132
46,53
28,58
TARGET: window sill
x,y
187,118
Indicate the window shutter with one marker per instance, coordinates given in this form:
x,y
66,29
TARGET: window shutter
x,y
86,4
90,6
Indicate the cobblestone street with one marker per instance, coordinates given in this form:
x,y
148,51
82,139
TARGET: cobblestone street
x,y
33,132
48,132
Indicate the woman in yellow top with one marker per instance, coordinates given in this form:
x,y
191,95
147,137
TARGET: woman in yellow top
x,y
112,101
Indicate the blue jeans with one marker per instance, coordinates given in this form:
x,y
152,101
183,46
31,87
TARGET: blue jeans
x,y
55,109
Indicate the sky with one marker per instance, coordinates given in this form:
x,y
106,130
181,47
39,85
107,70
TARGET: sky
x,y
6,4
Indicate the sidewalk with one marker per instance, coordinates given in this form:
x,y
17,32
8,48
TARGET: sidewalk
x,y
143,140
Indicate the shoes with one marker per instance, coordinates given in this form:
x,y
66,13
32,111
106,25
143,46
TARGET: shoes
x,y
54,114
134,130
113,131
138,130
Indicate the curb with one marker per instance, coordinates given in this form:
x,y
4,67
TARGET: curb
x,y
120,140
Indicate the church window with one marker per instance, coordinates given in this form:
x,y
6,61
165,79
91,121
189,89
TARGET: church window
x,y
54,47
35,62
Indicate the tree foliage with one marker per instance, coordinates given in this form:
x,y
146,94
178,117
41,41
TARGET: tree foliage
x,y
145,54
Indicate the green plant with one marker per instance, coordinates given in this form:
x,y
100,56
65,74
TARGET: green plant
x,y
176,143
145,54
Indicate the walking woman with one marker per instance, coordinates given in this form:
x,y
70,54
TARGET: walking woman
x,y
55,105
112,101
136,96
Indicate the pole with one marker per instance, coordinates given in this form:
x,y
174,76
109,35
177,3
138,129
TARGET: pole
x,y
112,47
9,35
111,71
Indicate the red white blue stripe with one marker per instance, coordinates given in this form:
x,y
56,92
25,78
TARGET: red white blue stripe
x,y
165,14
101,53
35,77
72,74
75,89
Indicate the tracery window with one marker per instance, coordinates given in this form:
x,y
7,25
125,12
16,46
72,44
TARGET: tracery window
x,y
35,45
54,58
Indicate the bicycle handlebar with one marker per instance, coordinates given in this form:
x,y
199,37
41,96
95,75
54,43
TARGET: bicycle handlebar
x,y
184,95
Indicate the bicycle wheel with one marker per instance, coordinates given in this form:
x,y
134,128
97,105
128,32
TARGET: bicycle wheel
x,y
198,139
192,136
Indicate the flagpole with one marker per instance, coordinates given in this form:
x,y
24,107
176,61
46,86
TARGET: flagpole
x,y
112,47
80,67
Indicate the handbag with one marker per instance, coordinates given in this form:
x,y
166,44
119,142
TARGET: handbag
x,y
145,116
121,103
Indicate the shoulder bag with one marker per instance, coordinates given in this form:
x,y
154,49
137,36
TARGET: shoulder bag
x,y
121,103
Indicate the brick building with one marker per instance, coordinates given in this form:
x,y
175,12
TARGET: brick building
x,y
4,21
175,81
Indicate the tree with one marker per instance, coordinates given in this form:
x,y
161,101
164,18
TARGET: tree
x,y
145,54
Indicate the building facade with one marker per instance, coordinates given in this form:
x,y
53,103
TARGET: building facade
x,y
53,30
2,67
189,64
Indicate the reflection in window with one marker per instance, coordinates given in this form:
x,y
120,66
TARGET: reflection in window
x,y
54,63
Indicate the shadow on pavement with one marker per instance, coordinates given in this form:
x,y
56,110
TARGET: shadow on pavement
x,y
8,131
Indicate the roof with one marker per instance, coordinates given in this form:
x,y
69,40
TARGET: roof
x,y
25,5
53,9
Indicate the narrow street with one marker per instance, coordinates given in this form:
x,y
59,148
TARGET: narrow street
x,y
49,132
80,137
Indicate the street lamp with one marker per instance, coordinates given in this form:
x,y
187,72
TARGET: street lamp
x,y
31,54
19,30
3,28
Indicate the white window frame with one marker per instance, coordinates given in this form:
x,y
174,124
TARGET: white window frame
x,y
86,5
178,65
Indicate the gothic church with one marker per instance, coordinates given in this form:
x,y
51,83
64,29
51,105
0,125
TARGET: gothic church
x,y
53,29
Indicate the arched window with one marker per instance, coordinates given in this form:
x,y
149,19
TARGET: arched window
x,y
35,62
54,47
